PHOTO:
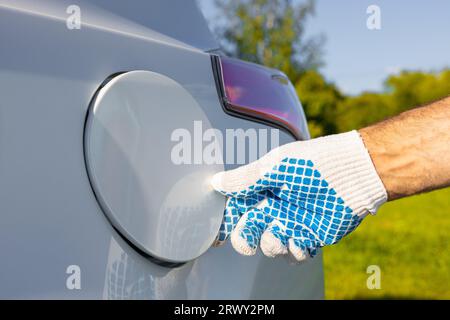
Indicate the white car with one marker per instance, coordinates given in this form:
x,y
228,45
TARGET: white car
x,y
113,114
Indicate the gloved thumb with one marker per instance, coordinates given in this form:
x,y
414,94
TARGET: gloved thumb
x,y
244,181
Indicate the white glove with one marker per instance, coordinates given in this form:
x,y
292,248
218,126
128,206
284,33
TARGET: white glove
x,y
300,196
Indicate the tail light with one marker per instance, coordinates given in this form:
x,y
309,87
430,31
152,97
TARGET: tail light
x,y
266,95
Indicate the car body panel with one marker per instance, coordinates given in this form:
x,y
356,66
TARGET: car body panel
x,y
50,218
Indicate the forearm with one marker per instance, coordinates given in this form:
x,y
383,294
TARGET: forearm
x,y
411,152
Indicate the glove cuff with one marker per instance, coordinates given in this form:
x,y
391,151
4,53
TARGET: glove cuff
x,y
348,168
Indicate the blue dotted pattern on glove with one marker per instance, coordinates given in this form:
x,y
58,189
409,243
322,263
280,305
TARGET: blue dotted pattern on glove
x,y
301,202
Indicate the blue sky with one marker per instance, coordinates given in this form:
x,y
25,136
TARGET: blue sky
x,y
414,35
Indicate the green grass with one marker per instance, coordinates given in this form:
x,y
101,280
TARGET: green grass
x,y
408,239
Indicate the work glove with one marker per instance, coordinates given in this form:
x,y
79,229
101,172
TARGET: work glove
x,y
300,196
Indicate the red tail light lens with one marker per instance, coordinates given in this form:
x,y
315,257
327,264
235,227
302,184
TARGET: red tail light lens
x,y
260,93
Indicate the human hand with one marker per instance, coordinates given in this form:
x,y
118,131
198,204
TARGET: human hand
x,y
300,196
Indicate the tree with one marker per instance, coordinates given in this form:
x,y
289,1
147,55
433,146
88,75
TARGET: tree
x,y
403,91
319,99
271,33
362,110
413,88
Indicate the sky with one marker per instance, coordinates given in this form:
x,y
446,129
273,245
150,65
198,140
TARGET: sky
x,y
414,35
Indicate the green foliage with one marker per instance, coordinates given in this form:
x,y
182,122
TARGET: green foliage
x,y
270,32
408,239
402,92
360,111
319,99
414,88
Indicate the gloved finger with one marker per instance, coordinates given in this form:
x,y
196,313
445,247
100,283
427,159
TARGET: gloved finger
x,y
251,178
238,184
230,219
274,241
307,189
304,240
297,250
234,209
246,203
300,238
246,236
